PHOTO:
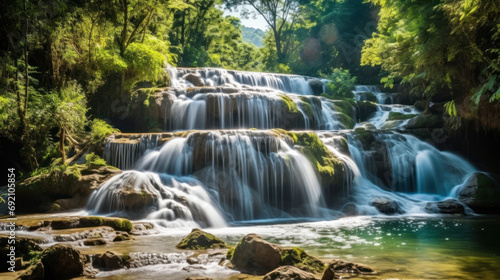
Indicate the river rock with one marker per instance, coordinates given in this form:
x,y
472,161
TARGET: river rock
x,y
425,121
61,190
255,255
387,206
350,209
341,266
481,194
365,110
122,236
289,272
449,206
367,96
62,262
108,261
200,240
194,79
94,242
316,86
34,272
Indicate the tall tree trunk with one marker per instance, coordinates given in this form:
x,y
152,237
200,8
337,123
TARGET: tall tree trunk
x,y
279,51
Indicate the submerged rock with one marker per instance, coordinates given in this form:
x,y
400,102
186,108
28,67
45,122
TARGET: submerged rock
x,y
62,262
289,272
200,240
387,206
449,206
481,194
341,266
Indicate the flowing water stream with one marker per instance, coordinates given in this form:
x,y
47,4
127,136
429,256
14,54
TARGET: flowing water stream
x,y
236,175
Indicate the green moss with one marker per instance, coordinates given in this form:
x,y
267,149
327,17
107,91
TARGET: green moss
x,y
230,253
396,116
200,240
324,161
364,136
347,121
345,106
299,258
118,224
290,105
306,107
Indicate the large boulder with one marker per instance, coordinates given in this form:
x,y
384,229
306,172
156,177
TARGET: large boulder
x,y
341,266
289,272
387,206
62,190
196,80
200,240
365,110
254,255
425,121
108,261
62,262
449,206
481,194
316,86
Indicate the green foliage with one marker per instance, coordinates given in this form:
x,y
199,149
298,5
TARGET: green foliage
x,y
450,108
440,45
99,130
145,63
340,84
290,105
94,160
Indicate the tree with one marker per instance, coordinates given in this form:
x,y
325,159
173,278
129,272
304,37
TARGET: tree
x,y
280,16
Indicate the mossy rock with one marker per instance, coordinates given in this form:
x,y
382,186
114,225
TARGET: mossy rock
x,y
289,104
119,224
364,136
425,121
345,106
368,96
329,167
421,105
62,262
365,110
200,240
300,259
305,105
397,116
481,194
346,121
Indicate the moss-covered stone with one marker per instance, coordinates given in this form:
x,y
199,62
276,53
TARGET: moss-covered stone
x,y
481,194
364,136
299,258
346,121
61,188
425,121
365,110
397,116
306,107
200,240
118,224
368,96
289,104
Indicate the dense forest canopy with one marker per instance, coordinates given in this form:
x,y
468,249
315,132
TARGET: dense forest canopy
x,y
65,63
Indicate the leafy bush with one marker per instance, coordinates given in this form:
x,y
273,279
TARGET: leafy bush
x,y
340,84
94,160
100,130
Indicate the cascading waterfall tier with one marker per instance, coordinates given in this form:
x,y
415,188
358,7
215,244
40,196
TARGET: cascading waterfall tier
x,y
196,77
244,175
214,177
229,108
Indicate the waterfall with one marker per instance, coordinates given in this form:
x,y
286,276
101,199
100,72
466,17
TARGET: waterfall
x,y
247,175
230,172
218,77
